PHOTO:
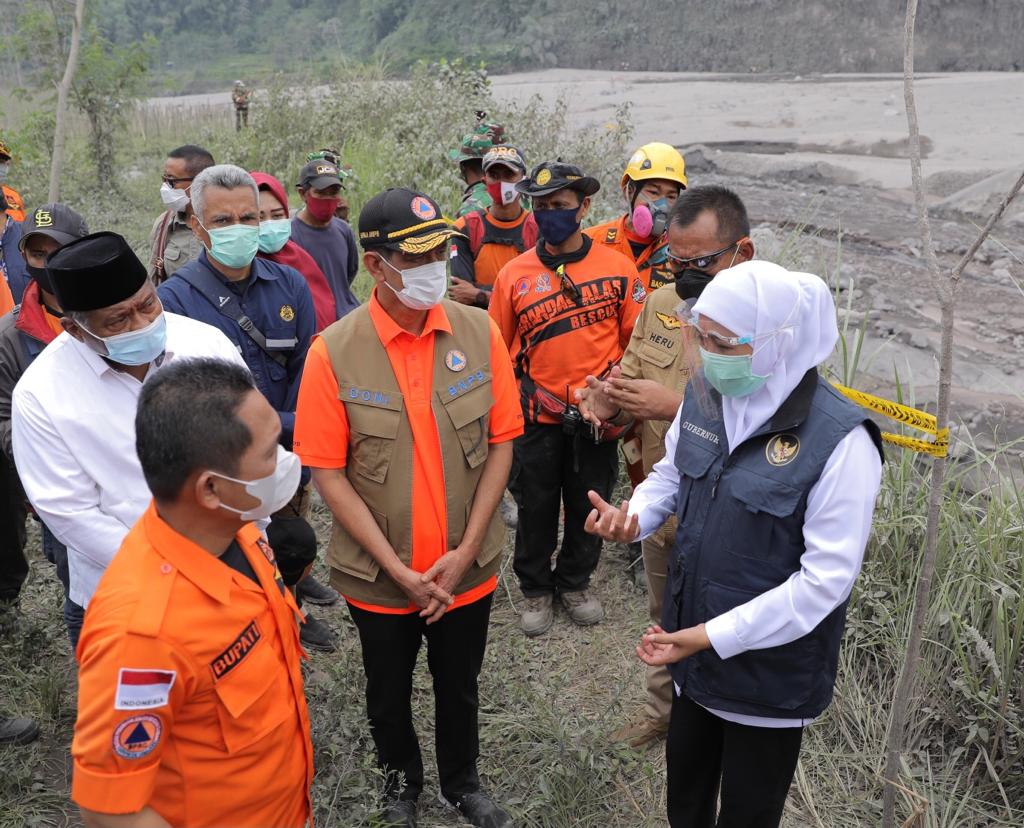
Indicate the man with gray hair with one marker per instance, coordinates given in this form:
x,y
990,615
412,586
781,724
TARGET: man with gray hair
x,y
265,309
73,411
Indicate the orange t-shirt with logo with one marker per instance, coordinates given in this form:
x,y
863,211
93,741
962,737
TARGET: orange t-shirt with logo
x,y
566,340
190,697
322,429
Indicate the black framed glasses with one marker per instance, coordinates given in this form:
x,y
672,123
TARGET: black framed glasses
x,y
698,262
170,181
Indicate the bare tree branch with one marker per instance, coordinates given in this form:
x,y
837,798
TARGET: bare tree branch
x,y
57,161
946,290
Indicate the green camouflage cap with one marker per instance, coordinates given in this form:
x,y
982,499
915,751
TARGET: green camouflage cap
x,y
476,144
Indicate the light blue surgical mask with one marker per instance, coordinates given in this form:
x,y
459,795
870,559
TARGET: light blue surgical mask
x,y
731,375
274,234
139,347
235,245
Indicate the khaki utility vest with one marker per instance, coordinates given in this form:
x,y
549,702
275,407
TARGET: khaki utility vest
x,y
380,446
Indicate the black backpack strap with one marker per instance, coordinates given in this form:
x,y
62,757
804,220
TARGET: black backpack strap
x,y
223,299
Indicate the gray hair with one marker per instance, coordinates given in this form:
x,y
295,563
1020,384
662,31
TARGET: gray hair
x,y
225,176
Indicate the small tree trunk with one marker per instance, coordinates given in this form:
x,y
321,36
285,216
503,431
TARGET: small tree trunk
x,y
57,160
946,288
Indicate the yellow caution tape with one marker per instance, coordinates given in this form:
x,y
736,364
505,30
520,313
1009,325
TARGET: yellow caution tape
x,y
921,420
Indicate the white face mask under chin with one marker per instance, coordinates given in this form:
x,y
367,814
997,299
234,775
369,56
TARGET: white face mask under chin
x,y
424,286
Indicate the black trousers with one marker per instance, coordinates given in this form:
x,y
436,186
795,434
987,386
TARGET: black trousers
x,y
13,566
549,470
753,767
455,653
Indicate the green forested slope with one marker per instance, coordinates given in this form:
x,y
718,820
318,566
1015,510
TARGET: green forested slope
x,y
725,35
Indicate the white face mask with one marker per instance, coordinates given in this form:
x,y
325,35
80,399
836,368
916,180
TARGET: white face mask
x,y
176,200
273,491
424,286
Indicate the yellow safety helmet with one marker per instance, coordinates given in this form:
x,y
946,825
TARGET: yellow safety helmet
x,y
656,160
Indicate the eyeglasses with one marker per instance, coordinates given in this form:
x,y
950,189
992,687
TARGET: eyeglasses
x,y
570,290
698,262
170,182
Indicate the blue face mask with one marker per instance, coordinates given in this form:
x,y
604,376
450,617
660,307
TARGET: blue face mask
x,y
731,375
274,234
557,225
139,347
234,246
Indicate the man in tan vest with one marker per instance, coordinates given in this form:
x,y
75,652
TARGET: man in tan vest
x,y
406,413
708,231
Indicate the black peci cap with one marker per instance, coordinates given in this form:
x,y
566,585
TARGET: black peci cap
x,y
401,219
550,176
95,271
56,221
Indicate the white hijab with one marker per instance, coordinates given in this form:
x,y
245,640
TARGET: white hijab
x,y
757,298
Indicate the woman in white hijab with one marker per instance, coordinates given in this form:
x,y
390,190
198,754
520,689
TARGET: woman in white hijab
x,y
774,486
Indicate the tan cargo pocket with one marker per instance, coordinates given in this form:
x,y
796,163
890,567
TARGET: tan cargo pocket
x,y
658,357
345,554
374,418
470,413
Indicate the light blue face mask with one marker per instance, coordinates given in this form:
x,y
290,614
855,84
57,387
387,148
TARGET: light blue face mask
x,y
235,245
731,375
274,234
139,347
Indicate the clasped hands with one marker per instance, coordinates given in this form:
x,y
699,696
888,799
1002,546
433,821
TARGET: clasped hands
x,y
433,591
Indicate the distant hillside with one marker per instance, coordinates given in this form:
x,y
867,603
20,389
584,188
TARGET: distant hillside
x,y
260,36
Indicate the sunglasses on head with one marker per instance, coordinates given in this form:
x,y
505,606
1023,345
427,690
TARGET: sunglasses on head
x,y
698,262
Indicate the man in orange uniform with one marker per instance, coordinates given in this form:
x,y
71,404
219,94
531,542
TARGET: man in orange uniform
x,y
651,183
10,199
566,309
190,705
493,236
406,415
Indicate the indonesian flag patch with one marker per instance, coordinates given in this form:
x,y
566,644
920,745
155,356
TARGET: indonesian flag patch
x,y
143,689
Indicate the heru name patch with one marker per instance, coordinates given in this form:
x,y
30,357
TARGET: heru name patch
x,y
236,651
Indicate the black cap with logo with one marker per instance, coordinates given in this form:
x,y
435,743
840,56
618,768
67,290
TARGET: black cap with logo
x,y
549,176
402,219
95,271
56,221
319,174
508,156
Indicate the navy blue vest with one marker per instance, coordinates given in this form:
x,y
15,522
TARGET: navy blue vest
x,y
740,534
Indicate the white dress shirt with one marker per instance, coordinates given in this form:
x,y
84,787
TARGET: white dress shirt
x,y
837,524
73,421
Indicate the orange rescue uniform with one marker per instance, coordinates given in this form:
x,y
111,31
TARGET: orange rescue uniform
x,y
491,257
6,298
649,256
566,341
15,204
190,697
322,429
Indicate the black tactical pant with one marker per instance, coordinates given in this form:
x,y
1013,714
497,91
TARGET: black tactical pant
x,y
551,469
455,654
13,566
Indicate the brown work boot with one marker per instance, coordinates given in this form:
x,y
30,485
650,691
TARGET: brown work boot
x,y
640,730
583,607
538,614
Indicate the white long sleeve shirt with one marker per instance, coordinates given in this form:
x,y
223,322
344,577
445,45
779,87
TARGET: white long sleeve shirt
x,y
73,430
837,524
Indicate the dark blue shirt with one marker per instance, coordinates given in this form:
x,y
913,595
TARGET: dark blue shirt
x,y
277,300
333,248
14,264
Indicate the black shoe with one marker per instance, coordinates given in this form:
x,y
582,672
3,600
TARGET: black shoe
x,y
480,810
311,591
401,813
18,731
316,635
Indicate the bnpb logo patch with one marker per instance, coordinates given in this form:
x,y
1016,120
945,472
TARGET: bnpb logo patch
x,y
423,208
137,736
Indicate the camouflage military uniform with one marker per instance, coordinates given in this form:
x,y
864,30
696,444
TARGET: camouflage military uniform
x,y
474,146
475,198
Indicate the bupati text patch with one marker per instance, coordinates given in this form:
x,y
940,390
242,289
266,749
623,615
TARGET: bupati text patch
x,y
236,651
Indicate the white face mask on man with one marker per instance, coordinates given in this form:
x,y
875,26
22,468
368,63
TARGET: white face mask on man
x,y
173,198
424,286
273,491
